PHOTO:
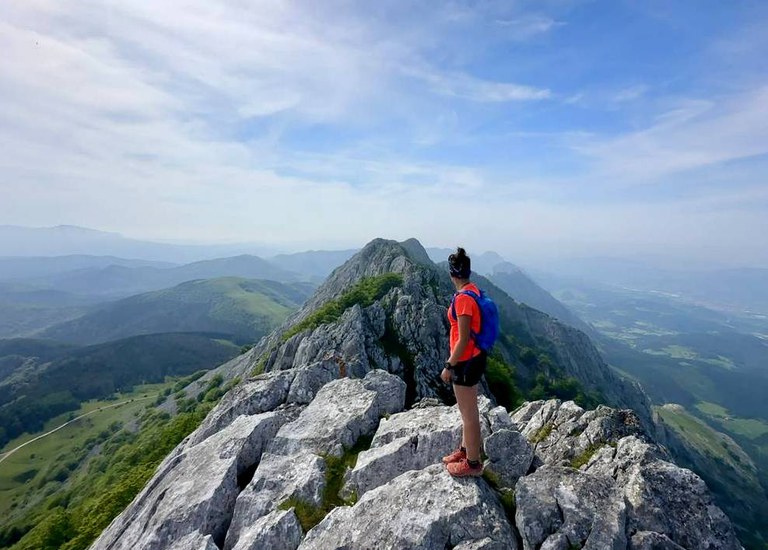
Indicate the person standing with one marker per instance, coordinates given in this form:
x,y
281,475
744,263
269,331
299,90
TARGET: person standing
x,y
465,366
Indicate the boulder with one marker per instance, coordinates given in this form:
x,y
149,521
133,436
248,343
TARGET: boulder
x,y
564,508
405,441
195,492
420,509
278,530
509,456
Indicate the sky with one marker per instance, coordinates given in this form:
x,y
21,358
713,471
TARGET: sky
x,y
547,128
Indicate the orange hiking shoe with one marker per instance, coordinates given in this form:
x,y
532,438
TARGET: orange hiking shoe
x,y
455,456
462,468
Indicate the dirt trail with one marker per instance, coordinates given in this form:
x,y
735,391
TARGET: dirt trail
x,y
9,453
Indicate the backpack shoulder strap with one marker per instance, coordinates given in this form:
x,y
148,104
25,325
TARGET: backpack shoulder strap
x,y
471,293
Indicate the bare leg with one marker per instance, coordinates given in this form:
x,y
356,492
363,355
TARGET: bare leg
x,y
461,411
470,416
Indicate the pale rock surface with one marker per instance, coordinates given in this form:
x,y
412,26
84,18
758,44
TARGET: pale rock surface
x,y
420,509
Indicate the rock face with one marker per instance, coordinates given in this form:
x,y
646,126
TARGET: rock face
x,y
586,479
421,508
195,491
274,464
294,464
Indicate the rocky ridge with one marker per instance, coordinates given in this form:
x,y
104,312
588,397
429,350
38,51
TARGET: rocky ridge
x,y
557,476
337,444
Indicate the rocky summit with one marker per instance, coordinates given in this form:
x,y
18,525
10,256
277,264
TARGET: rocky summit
x,y
334,438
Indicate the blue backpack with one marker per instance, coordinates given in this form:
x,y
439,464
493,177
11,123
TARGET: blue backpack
x,y
489,319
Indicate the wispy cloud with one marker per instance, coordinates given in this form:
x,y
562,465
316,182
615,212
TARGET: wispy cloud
x,y
692,135
528,26
630,93
277,120
475,89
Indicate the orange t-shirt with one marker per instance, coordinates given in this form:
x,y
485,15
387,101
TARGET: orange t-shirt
x,y
465,305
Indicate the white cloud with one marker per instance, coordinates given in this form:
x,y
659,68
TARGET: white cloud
x,y
475,89
528,26
692,135
163,120
630,93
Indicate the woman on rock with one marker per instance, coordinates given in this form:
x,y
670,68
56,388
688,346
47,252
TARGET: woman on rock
x,y
464,367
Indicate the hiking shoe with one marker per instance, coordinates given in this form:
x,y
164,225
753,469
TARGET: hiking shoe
x,y
462,468
455,456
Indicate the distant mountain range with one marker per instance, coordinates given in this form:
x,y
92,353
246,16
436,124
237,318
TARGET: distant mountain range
x,y
515,282
64,240
36,293
728,289
243,309
127,277
482,264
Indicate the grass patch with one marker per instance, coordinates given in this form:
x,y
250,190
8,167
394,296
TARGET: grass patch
x,y
507,498
492,479
586,456
310,514
364,293
542,433
712,409
307,513
506,495
261,365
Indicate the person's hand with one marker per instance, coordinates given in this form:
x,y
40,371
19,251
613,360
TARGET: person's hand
x,y
446,376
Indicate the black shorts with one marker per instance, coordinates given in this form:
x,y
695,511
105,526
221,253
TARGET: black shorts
x,y
469,372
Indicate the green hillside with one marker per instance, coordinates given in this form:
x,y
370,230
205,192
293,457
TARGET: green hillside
x,y
45,389
242,308
724,465
60,492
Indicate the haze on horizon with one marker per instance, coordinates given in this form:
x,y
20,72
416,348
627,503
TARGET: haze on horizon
x,y
536,129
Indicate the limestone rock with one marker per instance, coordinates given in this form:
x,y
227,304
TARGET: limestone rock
x,y
194,492
675,502
343,410
420,509
406,441
256,395
562,507
292,466
309,379
194,541
278,530
509,456
645,540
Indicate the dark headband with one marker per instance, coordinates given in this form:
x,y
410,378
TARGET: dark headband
x,y
459,272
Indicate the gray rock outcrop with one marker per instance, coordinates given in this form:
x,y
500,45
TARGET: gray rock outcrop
x,y
558,477
424,509
196,491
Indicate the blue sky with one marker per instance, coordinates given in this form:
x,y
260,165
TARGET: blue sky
x,y
538,129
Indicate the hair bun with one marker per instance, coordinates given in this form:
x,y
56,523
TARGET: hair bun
x,y
459,264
